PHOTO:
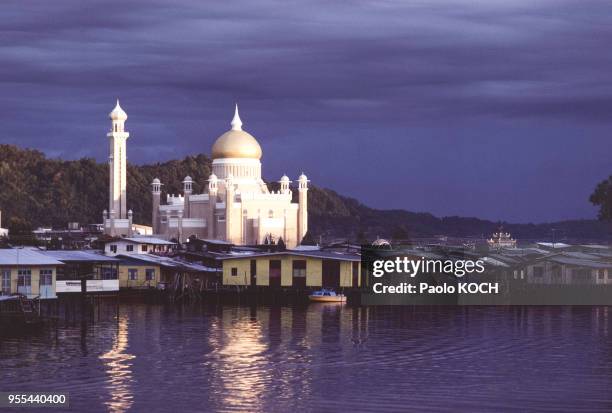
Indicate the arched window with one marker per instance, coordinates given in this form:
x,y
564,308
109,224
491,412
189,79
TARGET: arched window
x,y
115,127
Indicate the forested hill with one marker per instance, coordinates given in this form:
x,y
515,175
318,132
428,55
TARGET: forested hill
x,y
38,191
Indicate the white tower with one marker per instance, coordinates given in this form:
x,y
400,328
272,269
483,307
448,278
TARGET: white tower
x,y
284,185
117,163
302,207
156,193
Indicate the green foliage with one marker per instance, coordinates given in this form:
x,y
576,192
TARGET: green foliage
x,y
602,197
37,191
51,192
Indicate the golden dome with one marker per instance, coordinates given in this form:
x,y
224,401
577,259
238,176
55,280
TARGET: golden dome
x,y
236,143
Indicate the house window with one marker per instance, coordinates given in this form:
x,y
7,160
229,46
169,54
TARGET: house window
x,y
113,249
581,275
221,218
556,273
600,274
46,277
150,274
24,277
129,248
132,274
6,282
234,271
299,268
144,248
108,273
538,272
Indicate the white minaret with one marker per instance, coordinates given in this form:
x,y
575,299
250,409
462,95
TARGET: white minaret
x,y
117,163
302,207
156,193
284,185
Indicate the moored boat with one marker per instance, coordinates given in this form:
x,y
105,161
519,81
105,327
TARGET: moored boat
x,y
327,296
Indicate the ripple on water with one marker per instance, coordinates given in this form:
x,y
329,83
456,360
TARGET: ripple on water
x,y
338,358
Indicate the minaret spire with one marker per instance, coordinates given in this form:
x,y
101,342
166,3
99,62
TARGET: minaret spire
x,y
236,122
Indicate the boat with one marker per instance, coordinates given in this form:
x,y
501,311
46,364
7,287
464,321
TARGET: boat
x,y
327,296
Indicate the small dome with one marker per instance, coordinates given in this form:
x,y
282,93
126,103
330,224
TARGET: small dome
x,y
284,178
303,177
236,143
212,177
187,179
156,181
381,242
118,113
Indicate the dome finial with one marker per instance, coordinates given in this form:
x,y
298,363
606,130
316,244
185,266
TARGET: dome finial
x,y
236,122
118,113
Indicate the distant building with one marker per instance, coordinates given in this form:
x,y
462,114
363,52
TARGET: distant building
x,y
135,272
100,273
28,272
238,206
73,237
138,245
296,269
575,268
501,240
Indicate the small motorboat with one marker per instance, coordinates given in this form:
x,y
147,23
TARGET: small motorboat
x,y
327,296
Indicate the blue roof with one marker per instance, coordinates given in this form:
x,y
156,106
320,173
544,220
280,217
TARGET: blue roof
x,y
68,256
22,256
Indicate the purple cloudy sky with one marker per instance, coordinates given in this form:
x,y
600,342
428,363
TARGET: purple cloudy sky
x,y
495,109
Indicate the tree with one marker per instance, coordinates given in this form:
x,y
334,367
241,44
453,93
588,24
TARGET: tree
x,y
361,237
20,232
602,197
400,233
280,245
19,226
307,239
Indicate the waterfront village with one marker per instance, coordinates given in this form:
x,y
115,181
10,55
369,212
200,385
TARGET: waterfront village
x,y
239,236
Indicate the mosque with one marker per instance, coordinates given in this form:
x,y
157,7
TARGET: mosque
x,y
237,208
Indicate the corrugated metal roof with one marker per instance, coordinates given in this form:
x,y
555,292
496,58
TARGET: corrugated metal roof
x,y
20,256
148,240
580,255
328,255
166,262
553,245
560,259
71,256
495,262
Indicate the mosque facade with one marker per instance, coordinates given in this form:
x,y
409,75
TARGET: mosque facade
x,y
237,207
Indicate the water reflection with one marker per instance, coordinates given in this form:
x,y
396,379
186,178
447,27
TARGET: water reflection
x,y
216,357
118,365
238,362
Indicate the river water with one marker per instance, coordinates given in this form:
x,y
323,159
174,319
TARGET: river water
x,y
151,357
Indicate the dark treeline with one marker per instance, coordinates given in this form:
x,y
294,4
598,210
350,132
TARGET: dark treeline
x,y
37,191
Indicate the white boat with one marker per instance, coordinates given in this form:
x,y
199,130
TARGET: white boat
x,y
327,296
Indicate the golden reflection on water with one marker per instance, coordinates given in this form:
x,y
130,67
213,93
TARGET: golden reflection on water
x,y
263,354
238,362
118,368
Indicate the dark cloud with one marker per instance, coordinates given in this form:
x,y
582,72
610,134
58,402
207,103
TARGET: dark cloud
x,y
496,109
